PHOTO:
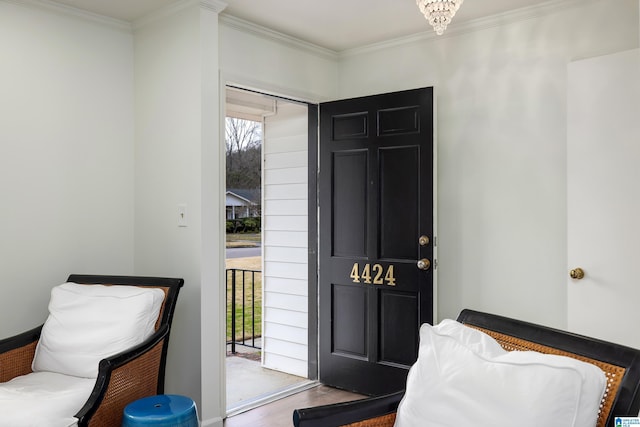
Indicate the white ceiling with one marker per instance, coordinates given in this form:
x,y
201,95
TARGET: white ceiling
x,y
334,24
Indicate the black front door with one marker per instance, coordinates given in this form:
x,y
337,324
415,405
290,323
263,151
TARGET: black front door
x,y
376,238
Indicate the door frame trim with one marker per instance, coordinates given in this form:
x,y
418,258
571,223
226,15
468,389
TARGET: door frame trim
x,y
230,80
434,190
312,215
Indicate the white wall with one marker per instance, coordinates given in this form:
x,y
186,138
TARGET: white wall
x,y
66,156
285,239
213,291
177,161
501,95
258,58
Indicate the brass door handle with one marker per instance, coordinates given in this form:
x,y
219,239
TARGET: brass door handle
x,y
424,264
576,273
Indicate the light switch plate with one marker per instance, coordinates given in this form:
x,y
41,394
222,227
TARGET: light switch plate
x,y
182,215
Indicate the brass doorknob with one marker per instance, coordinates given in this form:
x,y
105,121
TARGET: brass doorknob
x,y
576,273
424,264
423,240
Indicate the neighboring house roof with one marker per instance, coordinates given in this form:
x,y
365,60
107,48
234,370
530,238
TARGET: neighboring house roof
x,y
245,196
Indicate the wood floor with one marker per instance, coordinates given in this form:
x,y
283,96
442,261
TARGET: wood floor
x,y
280,412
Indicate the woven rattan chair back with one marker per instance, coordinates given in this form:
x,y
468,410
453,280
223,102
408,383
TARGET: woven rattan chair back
x,y
620,364
614,374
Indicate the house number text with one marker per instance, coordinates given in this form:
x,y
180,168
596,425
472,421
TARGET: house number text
x,y
375,274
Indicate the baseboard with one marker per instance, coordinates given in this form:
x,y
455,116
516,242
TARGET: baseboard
x,y
214,422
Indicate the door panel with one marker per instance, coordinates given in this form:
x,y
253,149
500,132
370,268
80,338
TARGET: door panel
x,y
350,126
398,225
376,200
399,121
398,312
349,321
349,203
603,196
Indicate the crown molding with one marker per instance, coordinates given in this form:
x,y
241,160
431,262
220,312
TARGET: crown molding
x,y
215,6
267,33
516,15
64,9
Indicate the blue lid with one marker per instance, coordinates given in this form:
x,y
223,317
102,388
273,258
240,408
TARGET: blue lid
x,y
153,410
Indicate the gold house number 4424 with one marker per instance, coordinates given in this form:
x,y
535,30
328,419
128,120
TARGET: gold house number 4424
x,y
375,274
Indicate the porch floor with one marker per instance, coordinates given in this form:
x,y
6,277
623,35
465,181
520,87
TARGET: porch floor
x,y
280,412
250,385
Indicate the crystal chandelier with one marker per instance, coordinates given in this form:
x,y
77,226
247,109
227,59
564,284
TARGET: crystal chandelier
x,y
439,12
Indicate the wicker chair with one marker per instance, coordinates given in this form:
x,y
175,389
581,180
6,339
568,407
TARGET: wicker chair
x,y
620,364
122,378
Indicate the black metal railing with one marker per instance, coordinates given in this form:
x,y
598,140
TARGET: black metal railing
x,y
244,308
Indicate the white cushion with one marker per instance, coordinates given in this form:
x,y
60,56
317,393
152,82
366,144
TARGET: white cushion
x,y
87,323
454,384
43,399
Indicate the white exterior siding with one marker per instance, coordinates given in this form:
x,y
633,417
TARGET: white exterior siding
x,y
286,364
285,160
288,270
288,208
285,302
292,286
293,223
285,240
291,239
286,176
296,335
296,319
298,191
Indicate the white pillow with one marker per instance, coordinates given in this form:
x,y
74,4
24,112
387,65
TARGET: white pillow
x,y
452,384
87,323
485,345
476,340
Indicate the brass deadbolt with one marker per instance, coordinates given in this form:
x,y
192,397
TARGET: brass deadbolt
x,y
424,264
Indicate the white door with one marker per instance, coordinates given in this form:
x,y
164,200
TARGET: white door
x,y
603,197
